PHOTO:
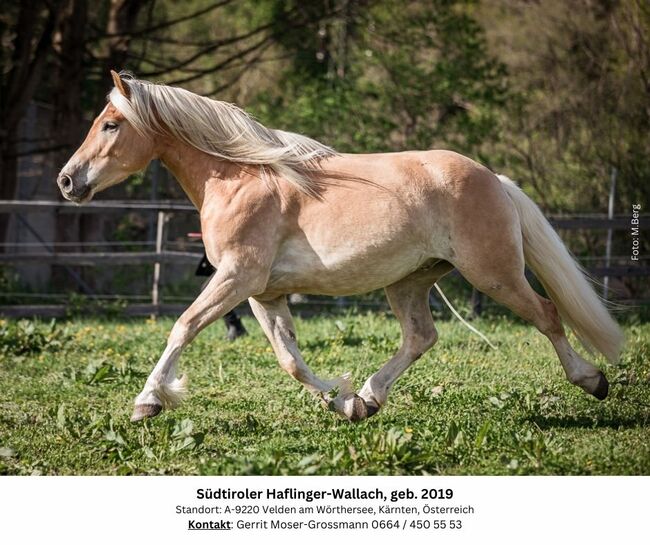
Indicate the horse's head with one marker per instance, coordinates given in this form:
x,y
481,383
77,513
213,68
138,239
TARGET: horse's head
x,y
112,151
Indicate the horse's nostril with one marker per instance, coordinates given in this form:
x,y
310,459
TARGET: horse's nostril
x,y
65,182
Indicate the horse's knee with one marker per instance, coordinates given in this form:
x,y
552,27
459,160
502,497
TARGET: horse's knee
x,y
181,333
422,341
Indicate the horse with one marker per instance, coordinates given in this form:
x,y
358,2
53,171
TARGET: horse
x,y
282,213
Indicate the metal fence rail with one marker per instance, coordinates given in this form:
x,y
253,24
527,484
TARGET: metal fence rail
x,y
92,259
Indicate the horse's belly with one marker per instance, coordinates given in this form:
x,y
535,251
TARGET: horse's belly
x,y
343,270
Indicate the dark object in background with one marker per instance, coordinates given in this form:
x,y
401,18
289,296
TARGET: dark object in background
x,y
234,325
205,268
233,322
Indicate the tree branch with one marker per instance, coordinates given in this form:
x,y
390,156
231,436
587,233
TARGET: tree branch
x,y
246,65
213,47
164,24
22,91
223,64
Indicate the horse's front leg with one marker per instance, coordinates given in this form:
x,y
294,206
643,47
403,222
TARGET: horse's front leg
x,y
337,394
163,390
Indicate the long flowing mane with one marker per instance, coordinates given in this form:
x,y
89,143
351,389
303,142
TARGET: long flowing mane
x,y
222,130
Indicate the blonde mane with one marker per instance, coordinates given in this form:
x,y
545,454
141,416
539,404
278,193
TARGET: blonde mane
x,y
222,130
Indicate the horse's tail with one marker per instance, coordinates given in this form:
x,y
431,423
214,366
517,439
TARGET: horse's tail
x,y
563,279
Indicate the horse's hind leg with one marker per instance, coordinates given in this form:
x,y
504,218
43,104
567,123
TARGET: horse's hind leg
x,y
488,245
409,300
508,285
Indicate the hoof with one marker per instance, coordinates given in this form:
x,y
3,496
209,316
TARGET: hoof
x,y
372,409
234,332
602,388
148,410
352,407
356,409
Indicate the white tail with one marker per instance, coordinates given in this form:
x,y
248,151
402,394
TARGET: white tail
x,y
563,279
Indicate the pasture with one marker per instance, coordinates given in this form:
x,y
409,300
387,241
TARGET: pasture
x,y
66,392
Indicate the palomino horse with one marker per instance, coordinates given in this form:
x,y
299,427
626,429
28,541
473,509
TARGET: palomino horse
x,y
281,213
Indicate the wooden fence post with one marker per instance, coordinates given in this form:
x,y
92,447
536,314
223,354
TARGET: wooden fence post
x,y
608,246
155,289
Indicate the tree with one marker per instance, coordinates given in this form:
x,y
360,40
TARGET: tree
x,y
383,76
582,99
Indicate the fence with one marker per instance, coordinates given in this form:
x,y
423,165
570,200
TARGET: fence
x,y
46,252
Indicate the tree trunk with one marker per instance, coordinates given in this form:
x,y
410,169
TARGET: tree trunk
x,y
68,119
122,19
35,25
8,175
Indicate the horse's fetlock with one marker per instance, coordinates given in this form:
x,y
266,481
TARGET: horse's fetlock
x,y
374,393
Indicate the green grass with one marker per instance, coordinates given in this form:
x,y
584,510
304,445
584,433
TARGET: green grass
x,y
66,394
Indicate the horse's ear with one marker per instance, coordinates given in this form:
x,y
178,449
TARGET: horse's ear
x,y
121,85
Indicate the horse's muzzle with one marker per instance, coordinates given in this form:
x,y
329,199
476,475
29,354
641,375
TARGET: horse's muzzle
x,y
72,192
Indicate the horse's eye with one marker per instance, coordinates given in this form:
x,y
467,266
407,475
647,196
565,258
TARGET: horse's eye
x,y
109,126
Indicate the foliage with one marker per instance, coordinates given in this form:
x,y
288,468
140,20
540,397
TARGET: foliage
x,y
579,75
79,305
9,284
386,78
26,337
461,409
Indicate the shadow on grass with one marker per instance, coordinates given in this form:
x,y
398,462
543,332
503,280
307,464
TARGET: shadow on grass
x,y
589,422
320,344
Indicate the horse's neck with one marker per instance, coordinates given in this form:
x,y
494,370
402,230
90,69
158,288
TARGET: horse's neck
x,y
194,168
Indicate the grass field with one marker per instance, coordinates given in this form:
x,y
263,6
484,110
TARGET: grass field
x,y
66,395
